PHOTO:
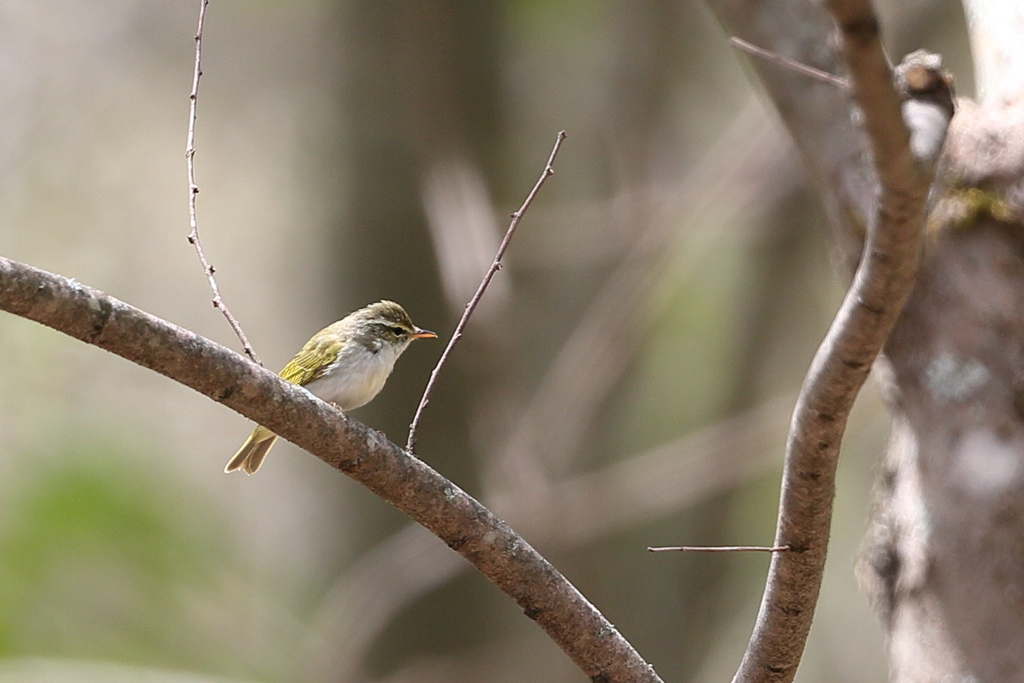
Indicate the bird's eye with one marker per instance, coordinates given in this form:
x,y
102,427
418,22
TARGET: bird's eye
x,y
396,330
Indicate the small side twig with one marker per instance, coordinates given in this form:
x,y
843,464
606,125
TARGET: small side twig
x,y
721,549
799,67
193,190
549,170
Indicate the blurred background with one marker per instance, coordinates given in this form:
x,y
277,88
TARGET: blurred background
x,y
627,381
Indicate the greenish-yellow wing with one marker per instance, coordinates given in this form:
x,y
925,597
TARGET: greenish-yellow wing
x,y
312,361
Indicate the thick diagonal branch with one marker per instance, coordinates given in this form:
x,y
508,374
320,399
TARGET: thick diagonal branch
x,y
358,451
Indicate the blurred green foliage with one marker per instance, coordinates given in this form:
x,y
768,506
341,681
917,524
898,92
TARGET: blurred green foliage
x,y
100,557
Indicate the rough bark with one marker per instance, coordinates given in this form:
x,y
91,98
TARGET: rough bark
x,y
360,452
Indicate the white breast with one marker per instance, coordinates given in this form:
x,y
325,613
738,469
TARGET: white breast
x,y
357,376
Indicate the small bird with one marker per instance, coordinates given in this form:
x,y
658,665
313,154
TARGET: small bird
x,y
345,363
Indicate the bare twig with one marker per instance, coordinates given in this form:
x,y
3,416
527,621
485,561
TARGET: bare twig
x,y
776,58
549,170
400,569
405,482
193,190
721,549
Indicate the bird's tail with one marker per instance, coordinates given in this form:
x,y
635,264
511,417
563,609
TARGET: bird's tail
x,y
250,456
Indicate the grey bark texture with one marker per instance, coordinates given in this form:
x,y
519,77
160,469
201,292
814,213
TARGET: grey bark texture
x,y
943,559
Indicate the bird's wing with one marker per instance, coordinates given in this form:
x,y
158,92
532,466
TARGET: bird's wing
x,y
309,363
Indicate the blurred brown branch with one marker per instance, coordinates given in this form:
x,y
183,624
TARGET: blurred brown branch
x,y
363,454
545,435
770,56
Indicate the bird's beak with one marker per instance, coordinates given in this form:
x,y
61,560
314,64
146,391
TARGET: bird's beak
x,y
422,334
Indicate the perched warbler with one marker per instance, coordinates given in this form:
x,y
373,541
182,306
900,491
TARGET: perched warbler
x,y
345,364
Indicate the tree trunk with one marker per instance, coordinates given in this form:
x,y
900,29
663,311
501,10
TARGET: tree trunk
x,y
944,557
943,562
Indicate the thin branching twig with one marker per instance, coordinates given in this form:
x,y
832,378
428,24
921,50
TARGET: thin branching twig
x,y
549,170
193,190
